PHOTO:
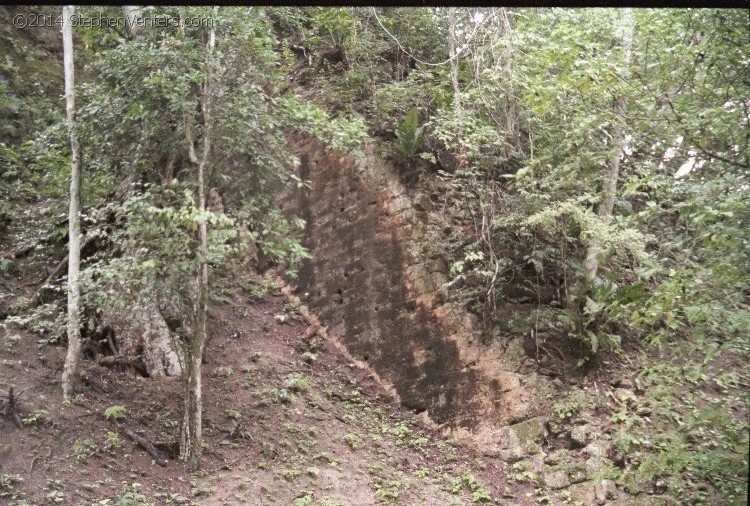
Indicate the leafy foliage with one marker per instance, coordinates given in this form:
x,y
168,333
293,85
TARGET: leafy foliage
x,y
410,135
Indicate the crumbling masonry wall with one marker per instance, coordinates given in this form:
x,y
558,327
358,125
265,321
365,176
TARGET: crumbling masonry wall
x,y
372,286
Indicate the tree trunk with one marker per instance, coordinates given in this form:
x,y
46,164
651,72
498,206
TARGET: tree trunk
x,y
609,187
461,157
452,54
191,437
74,223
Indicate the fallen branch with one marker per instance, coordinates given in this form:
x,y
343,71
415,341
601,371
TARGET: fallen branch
x,y
21,252
159,458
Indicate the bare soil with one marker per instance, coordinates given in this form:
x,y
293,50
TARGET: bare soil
x,y
286,420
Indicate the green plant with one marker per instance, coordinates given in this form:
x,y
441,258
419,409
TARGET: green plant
x,y
280,396
115,413
326,501
112,442
233,414
569,407
56,496
304,498
36,418
225,371
479,493
388,491
11,342
84,448
419,442
18,306
296,383
353,440
410,135
78,400
400,430
130,499
290,474
8,484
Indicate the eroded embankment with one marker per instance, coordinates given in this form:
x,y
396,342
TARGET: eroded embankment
x,y
373,286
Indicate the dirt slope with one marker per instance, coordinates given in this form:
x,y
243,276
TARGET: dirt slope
x,y
288,421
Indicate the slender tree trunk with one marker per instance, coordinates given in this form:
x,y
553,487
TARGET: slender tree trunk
x,y
609,187
457,106
452,54
74,223
191,437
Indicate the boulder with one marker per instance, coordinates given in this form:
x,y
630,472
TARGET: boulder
x,y
556,480
597,461
582,435
605,491
584,493
520,440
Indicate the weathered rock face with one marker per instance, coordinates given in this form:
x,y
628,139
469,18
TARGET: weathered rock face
x,y
373,286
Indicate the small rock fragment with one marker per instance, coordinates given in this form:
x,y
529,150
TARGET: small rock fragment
x,y
281,318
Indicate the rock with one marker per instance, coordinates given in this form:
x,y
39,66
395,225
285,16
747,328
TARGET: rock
x,y
581,435
597,461
520,440
181,499
422,202
530,433
557,457
556,480
593,466
623,383
578,473
598,449
281,318
584,493
508,381
536,463
605,491
626,396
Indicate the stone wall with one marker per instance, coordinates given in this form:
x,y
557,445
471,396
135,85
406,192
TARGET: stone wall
x,y
373,286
